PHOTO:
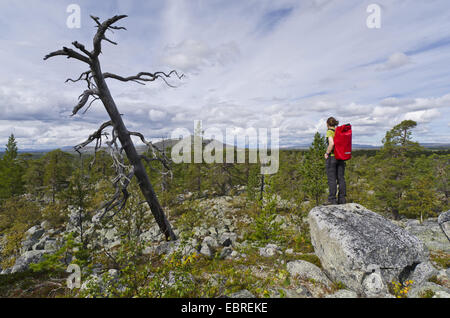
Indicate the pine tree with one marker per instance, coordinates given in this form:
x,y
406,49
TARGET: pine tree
x,y
398,141
33,177
421,198
395,167
312,170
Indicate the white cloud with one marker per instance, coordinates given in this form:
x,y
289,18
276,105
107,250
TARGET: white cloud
x,y
156,115
423,116
394,61
191,55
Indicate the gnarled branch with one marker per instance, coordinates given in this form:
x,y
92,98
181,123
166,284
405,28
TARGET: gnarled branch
x,y
83,100
95,136
100,35
82,48
144,77
70,54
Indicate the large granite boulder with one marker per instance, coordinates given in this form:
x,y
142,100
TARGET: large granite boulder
x,y
354,243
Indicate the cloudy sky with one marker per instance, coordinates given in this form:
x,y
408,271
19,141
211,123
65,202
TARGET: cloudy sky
x,y
248,63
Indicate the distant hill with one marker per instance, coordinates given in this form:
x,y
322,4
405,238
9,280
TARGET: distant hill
x,y
432,145
169,143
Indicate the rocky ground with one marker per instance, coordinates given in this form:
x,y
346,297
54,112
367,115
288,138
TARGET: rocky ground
x,y
345,242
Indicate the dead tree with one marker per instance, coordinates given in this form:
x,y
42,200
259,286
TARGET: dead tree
x,y
97,89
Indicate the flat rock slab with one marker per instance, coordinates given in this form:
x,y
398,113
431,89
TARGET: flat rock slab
x,y
351,241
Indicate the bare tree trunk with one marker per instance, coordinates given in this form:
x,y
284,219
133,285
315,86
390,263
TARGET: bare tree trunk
x,y
164,181
130,150
261,195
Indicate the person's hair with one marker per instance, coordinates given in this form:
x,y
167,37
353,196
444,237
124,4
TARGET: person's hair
x,y
332,122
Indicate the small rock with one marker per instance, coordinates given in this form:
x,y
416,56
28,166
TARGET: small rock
x,y
234,254
211,242
422,273
284,293
188,249
303,291
218,280
27,258
34,233
441,294
206,251
148,250
114,273
269,251
176,278
227,238
212,231
343,293
39,246
46,225
227,242
417,291
373,285
96,218
306,270
200,232
442,276
226,251
92,280
27,245
113,244
50,245
242,294
165,248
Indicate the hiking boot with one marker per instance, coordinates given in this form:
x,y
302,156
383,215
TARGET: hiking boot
x,y
341,201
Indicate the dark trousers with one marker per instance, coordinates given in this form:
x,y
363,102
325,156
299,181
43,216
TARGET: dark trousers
x,y
335,173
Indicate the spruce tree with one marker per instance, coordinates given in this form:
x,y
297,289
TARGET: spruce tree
x,y
10,171
57,171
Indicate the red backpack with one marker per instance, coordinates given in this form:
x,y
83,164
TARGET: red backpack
x,y
343,142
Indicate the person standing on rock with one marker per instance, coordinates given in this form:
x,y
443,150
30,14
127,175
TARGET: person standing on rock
x,y
335,168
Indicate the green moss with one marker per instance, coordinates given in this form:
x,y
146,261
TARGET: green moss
x,y
427,294
338,285
441,259
312,258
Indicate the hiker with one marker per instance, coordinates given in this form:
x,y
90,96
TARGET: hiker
x,y
335,168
